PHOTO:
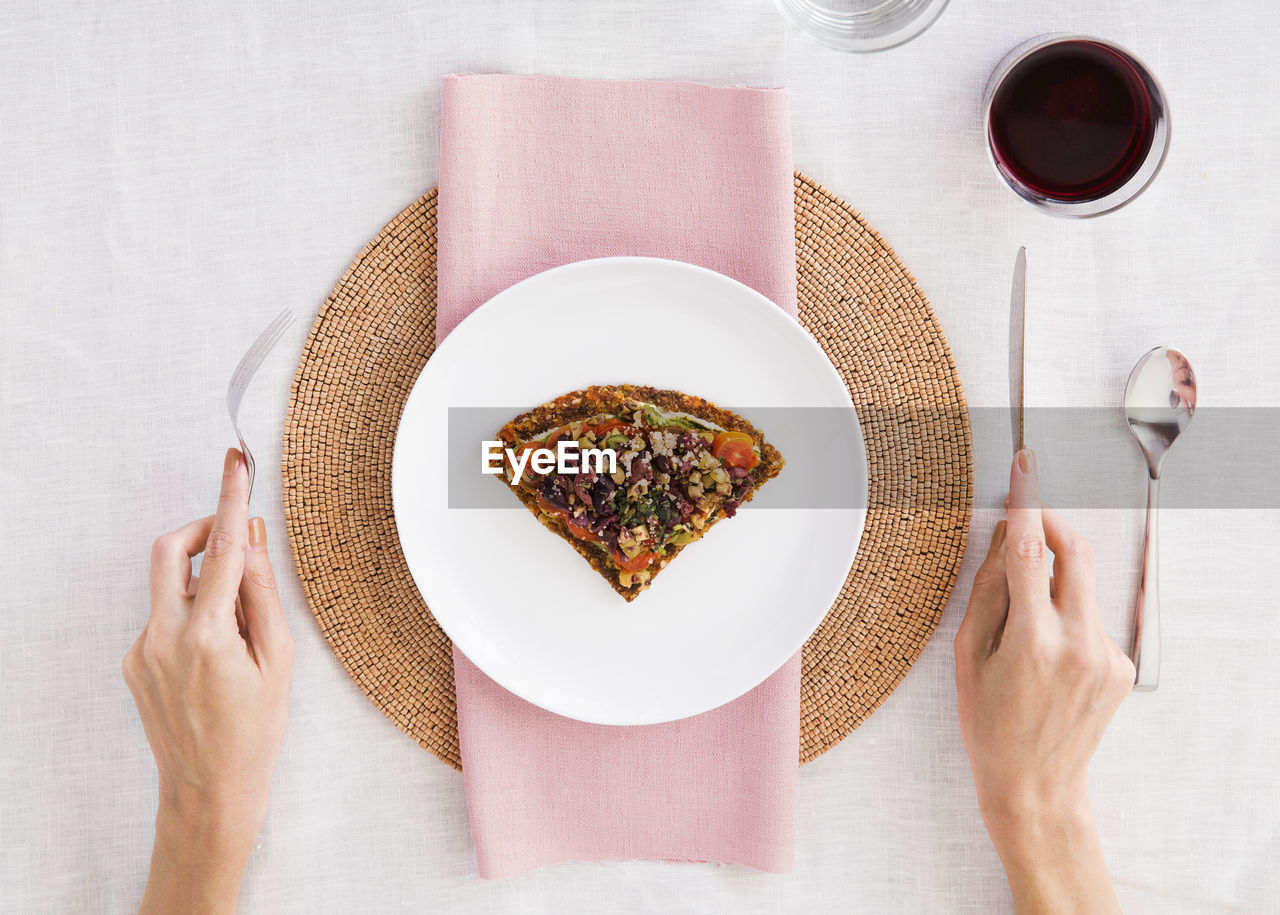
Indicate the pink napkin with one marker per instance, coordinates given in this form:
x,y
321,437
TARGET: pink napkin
x,y
536,172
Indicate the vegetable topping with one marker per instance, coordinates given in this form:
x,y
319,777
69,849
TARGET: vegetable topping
x,y
674,475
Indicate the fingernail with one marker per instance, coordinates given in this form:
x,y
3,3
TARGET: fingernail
x,y
997,536
232,460
1027,461
257,533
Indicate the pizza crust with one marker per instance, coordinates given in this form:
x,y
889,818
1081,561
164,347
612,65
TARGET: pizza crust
x,y
613,399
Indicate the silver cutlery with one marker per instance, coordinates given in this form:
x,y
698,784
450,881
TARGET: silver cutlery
x,y
1159,402
1017,337
243,375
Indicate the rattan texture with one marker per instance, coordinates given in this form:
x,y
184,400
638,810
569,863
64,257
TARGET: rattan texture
x,y
375,332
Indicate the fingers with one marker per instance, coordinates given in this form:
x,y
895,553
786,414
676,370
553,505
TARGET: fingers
x,y
988,603
1073,564
171,563
223,563
269,637
1026,552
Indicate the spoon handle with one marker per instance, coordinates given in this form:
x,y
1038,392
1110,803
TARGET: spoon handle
x,y
1146,625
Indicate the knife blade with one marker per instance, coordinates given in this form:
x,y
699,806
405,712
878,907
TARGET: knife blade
x,y
1017,336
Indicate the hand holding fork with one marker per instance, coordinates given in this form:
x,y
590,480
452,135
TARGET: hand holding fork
x,y
244,374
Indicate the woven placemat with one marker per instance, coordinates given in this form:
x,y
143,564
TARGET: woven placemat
x,y
375,332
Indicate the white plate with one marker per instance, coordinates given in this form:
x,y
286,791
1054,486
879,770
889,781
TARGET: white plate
x,y
530,612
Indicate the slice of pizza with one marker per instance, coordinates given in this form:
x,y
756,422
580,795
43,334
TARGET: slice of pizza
x,y
631,475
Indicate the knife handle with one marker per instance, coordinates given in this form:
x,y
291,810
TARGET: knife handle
x,y
1146,625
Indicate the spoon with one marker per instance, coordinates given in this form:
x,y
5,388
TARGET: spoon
x,y
1159,401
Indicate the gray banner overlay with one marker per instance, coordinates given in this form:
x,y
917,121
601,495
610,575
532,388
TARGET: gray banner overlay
x,y
1227,458
816,443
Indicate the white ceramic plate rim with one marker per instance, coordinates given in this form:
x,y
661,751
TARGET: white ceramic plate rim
x,y
722,683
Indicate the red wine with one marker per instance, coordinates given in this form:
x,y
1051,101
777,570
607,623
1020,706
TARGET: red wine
x,y
1073,121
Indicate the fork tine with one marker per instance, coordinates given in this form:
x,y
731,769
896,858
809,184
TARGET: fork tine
x,y
267,337
277,329
258,351
282,320
245,371
253,358
268,344
272,331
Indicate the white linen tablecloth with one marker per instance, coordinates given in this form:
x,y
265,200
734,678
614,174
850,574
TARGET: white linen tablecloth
x,y
171,175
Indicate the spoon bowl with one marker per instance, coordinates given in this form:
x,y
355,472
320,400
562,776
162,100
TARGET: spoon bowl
x,y
1159,403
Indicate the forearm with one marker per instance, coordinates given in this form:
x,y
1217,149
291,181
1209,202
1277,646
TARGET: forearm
x,y
1054,861
195,866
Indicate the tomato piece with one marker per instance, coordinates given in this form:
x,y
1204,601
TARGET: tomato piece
x,y
556,436
548,507
735,448
634,564
724,438
582,533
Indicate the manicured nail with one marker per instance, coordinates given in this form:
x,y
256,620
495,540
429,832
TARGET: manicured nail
x,y
257,533
1027,461
997,536
232,460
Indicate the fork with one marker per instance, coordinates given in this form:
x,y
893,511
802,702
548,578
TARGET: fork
x,y
243,375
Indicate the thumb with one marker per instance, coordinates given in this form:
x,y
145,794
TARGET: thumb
x,y
988,605
269,636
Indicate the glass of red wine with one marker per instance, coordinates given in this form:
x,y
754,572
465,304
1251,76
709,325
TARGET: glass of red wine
x,y
1075,125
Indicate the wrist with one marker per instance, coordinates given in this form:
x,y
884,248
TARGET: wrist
x,y
1051,853
210,835
1029,833
198,859
1027,819
217,822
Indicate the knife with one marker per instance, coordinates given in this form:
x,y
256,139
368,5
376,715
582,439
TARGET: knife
x,y
1017,336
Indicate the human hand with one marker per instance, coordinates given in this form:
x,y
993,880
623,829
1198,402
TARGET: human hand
x,y
210,676
1038,679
